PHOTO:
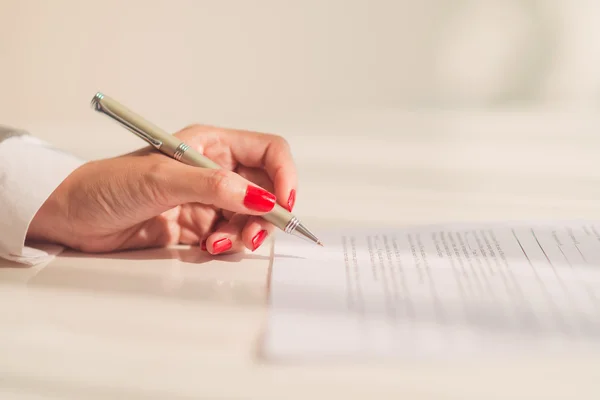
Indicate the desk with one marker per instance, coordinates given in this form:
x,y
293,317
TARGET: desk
x,y
174,324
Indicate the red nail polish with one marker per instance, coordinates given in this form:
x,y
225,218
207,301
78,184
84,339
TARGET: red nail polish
x,y
203,245
221,245
258,199
292,200
258,239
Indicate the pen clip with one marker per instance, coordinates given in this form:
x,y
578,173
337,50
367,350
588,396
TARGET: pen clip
x,y
98,106
141,134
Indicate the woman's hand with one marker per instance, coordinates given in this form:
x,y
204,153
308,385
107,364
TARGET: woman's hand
x,y
146,199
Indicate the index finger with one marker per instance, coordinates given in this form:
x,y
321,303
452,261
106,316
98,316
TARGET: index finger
x,y
271,153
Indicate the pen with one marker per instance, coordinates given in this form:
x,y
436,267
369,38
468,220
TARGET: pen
x,y
178,150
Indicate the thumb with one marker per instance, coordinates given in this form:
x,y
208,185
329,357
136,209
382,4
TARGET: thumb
x,y
220,188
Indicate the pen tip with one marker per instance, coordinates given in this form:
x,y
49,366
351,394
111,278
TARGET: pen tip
x,y
320,243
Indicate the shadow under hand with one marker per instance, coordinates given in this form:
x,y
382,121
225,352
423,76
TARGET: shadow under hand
x,y
192,255
178,273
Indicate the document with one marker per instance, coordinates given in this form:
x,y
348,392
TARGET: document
x,y
437,291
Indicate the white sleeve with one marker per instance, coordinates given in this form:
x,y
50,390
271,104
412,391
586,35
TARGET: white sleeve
x,y
30,170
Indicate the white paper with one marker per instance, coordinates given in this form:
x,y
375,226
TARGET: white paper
x,y
437,291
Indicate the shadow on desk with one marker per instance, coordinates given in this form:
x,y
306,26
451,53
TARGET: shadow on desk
x,y
178,273
193,255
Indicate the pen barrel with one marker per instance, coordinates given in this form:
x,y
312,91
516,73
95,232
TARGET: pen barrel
x,y
191,157
130,120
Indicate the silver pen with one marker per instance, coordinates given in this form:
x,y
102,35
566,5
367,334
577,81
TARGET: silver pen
x,y
175,148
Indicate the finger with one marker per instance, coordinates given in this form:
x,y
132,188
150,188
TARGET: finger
x,y
227,238
217,225
188,236
227,214
174,183
196,222
256,176
156,232
269,152
255,232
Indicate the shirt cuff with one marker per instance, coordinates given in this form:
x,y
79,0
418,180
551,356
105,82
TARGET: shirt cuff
x,y
30,170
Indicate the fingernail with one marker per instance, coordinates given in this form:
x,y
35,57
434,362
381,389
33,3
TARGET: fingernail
x,y
258,199
221,245
258,239
203,245
292,200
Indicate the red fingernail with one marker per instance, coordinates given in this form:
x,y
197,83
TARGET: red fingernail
x,y
221,245
292,200
203,245
258,199
258,239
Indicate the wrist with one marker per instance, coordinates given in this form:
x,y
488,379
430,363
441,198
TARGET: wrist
x,y
51,223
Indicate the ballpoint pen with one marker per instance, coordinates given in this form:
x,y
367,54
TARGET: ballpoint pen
x,y
178,150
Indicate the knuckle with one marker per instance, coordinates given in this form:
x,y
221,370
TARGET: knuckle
x,y
192,130
193,127
220,182
280,142
156,174
156,185
193,134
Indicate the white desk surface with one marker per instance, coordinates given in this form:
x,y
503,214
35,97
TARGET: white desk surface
x,y
174,324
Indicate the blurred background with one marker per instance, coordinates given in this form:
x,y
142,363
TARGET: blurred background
x,y
230,61
424,88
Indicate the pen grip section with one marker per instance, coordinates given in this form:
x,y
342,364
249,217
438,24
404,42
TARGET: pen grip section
x,y
279,216
192,157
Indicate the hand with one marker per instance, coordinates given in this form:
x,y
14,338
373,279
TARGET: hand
x,y
146,199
